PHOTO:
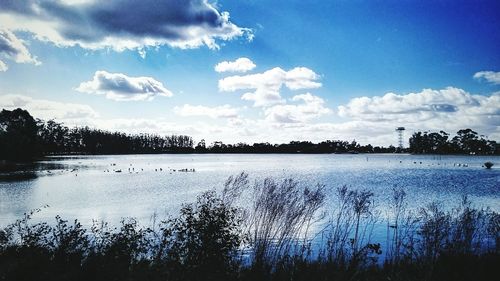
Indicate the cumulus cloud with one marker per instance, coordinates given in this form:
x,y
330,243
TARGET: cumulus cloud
x,y
46,109
267,85
239,65
122,24
74,114
311,107
223,111
420,106
449,109
160,126
120,87
3,66
13,48
489,76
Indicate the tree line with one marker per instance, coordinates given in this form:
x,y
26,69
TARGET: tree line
x,y
24,137
466,141
328,146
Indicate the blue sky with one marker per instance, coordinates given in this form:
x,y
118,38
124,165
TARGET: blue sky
x,y
323,69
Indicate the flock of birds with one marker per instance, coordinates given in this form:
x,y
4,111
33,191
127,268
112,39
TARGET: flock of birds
x,y
439,164
132,170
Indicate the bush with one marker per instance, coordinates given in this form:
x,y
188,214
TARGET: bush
x,y
271,239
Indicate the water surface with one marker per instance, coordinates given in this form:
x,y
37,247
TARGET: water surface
x,y
87,187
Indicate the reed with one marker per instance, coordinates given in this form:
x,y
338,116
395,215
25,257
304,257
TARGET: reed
x,y
273,237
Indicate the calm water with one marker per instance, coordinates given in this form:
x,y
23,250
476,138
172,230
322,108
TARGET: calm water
x,y
82,187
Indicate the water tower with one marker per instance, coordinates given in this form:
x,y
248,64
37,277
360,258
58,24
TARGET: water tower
x,y
400,131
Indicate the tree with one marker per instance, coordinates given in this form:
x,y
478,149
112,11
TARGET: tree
x,y
207,237
18,135
466,141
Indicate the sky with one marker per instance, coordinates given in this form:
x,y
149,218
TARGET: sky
x,y
253,70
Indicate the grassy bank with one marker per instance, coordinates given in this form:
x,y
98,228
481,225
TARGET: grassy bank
x,y
286,232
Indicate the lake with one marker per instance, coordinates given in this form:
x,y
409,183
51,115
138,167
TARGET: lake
x,y
87,187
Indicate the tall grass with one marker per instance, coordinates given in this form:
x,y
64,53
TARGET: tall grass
x,y
349,230
286,232
280,219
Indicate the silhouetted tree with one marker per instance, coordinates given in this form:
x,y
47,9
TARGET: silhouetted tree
x,y
21,137
18,135
466,141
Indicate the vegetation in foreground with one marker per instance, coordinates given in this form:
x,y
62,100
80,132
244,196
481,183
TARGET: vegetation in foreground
x,y
274,236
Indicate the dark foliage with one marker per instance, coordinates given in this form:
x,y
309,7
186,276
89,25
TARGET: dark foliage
x,y
54,138
201,244
206,238
18,135
328,146
270,239
466,141
23,138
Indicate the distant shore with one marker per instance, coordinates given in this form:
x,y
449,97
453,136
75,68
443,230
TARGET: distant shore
x,y
33,138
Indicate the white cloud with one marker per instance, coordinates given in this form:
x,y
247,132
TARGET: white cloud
x,y
489,76
302,78
420,106
267,85
3,66
122,24
120,87
46,109
312,107
14,49
371,121
223,111
239,65
449,109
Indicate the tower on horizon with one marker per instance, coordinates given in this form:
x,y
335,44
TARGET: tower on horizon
x,y
400,131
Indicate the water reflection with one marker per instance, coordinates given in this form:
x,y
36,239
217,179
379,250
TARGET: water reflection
x,y
89,187
20,171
